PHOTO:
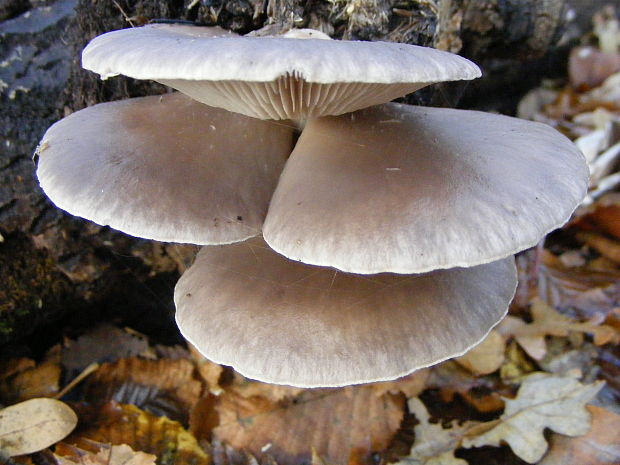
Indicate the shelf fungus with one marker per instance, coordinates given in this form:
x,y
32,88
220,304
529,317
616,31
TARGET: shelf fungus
x,y
377,242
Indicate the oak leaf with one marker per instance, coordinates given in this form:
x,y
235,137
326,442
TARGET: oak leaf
x,y
601,446
548,322
543,401
434,444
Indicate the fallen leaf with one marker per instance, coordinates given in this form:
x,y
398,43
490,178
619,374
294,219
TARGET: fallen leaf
x,y
250,388
534,345
107,455
209,371
223,454
543,401
33,425
608,248
549,322
486,357
517,364
31,381
589,67
602,216
483,393
105,343
126,424
600,446
411,385
586,291
434,444
163,387
338,423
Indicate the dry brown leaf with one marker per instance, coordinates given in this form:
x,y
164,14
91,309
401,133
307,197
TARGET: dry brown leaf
x,y
223,454
33,425
210,372
516,365
250,388
411,385
434,444
548,322
486,357
107,455
481,393
203,417
543,401
603,216
585,290
126,424
163,387
608,248
601,446
105,343
338,423
30,381
534,345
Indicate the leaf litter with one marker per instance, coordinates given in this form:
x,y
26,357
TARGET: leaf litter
x,y
143,403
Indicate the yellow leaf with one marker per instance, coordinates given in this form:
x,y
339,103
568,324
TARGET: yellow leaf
x,y
486,357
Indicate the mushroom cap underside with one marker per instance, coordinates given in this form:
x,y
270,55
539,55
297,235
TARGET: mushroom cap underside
x,y
273,77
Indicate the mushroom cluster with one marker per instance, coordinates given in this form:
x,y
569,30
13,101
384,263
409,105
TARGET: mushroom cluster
x,y
377,242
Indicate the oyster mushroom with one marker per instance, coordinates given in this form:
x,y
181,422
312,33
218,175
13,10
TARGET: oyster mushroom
x,y
384,193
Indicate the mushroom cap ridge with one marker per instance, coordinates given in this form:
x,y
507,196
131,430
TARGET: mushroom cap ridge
x,y
273,77
164,52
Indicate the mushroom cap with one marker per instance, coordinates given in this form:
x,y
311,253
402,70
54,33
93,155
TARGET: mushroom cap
x,y
285,322
404,189
273,77
165,168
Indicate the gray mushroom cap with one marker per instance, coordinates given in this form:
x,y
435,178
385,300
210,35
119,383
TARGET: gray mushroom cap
x,y
273,77
165,168
403,189
285,322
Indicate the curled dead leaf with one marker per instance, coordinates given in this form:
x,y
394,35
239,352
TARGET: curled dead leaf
x,y
549,322
340,424
486,357
126,424
163,387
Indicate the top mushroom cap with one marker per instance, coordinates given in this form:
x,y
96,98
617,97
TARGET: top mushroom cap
x,y
273,77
